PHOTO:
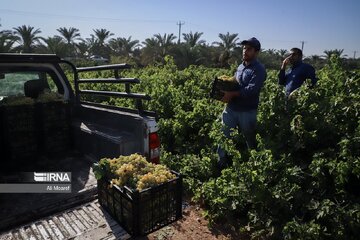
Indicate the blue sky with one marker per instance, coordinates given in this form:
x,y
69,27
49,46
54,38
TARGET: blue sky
x,y
276,23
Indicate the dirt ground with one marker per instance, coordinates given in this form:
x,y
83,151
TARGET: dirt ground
x,y
193,226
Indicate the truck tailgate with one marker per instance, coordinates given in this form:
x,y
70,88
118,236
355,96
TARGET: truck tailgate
x,y
88,221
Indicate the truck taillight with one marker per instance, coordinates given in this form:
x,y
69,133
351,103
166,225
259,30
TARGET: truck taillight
x,y
154,147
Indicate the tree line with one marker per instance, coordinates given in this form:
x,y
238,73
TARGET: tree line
x,y
192,51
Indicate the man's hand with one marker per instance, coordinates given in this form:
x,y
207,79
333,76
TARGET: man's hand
x,y
229,95
285,62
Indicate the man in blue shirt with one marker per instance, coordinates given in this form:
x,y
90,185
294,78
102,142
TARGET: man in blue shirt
x,y
297,73
241,109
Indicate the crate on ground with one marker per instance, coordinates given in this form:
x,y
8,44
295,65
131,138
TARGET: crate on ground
x,y
142,212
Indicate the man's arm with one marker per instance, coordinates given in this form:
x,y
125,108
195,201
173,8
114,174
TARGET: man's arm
x,y
252,88
311,74
282,76
254,85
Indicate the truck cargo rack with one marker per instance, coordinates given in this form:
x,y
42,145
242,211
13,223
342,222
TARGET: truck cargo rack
x,y
117,79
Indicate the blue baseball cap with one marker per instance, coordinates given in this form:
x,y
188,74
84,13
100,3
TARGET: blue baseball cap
x,y
253,42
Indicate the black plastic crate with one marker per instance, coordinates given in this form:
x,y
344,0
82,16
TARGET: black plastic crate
x,y
54,115
58,144
218,85
19,146
142,212
18,118
18,132
54,127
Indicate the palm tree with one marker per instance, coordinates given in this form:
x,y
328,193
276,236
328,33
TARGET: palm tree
x,y
185,55
282,53
100,46
83,48
56,45
271,51
227,45
69,34
7,41
98,42
102,35
193,39
165,42
228,41
315,60
150,51
27,38
92,44
336,52
123,46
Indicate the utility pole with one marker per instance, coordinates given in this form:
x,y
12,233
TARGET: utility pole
x,y
354,52
302,45
180,23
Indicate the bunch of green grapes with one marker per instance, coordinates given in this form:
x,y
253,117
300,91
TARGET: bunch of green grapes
x,y
159,175
124,174
116,163
18,100
127,170
124,167
226,83
133,171
146,181
227,78
48,96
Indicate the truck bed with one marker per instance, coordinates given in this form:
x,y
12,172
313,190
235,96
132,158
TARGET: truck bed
x,y
88,221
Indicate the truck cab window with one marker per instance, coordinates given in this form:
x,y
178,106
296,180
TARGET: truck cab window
x,y
30,84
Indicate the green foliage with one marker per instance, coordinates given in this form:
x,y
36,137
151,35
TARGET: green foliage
x,y
303,181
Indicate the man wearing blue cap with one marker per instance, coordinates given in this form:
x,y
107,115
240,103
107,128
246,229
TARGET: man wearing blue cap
x,y
297,73
242,104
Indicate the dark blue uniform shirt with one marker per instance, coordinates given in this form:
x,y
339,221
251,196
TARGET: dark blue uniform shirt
x,y
250,78
296,75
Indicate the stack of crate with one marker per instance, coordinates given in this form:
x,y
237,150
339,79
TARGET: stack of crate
x,y
55,127
19,132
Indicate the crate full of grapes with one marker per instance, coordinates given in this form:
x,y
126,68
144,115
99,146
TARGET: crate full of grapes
x,y
18,128
223,83
141,196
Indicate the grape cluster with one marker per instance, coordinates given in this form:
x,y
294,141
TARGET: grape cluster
x,y
227,78
160,174
18,100
48,96
227,83
135,172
